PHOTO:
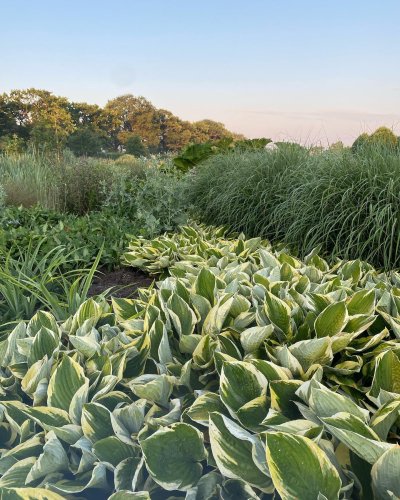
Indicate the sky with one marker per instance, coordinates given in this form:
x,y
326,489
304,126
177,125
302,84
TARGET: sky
x,y
313,71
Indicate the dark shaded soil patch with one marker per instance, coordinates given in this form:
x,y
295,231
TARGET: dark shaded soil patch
x,y
128,278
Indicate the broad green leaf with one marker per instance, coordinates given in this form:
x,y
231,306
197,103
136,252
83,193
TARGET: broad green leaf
x,y
205,285
52,459
309,352
64,383
355,434
252,338
28,494
331,320
240,383
387,374
278,312
300,469
173,455
385,475
205,404
113,451
238,453
96,422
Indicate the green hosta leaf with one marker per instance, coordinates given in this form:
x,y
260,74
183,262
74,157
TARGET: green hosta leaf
x,y
127,472
355,434
42,319
326,403
96,422
332,320
216,317
95,478
252,338
47,416
387,374
64,383
45,343
205,285
205,404
28,494
362,302
16,475
385,475
52,459
128,420
113,451
173,455
384,418
33,447
155,388
240,383
126,495
124,309
238,453
300,469
314,351
182,316
278,312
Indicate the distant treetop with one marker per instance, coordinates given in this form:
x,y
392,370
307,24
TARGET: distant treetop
x,y
126,123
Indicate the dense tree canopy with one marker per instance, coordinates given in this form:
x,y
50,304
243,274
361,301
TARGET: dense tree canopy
x,y
46,121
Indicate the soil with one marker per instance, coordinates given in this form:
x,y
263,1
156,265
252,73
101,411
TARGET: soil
x,y
126,281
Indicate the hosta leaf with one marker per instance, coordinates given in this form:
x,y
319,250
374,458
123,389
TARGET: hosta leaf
x,y
384,418
362,302
128,420
278,312
44,344
52,459
300,469
240,383
387,374
355,434
385,475
95,478
96,422
205,404
173,455
113,451
155,388
16,475
28,494
235,451
126,495
64,383
252,338
327,403
309,352
331,320
183,318
205,285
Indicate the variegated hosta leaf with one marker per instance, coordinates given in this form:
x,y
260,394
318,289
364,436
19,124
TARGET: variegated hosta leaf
x,y
300,469
173,456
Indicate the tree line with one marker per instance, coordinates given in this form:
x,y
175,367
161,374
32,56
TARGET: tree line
x,y
128,123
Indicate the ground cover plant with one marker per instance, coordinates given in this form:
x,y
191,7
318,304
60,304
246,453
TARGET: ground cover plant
x,y
348,202
242,369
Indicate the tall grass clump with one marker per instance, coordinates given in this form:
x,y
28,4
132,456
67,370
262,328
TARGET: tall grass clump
x,y
242,190
347,203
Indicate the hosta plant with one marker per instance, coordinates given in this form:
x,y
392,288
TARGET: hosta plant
x,y
244,373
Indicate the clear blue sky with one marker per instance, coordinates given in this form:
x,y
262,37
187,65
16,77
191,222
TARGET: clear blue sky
x,y
296,69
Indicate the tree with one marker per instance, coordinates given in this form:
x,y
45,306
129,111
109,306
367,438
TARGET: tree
x,y
209,130
134,146
174,132
135,115
85,141
383,137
